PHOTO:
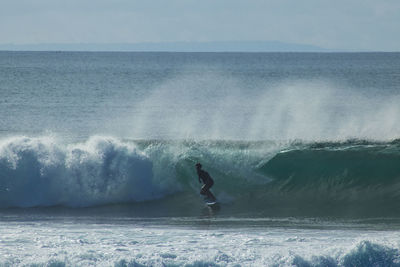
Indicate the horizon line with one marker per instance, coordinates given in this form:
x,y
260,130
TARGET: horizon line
x,y
181,46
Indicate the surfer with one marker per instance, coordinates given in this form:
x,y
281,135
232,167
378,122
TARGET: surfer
x,y
207,180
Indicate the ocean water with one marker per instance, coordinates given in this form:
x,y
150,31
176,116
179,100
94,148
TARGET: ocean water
x,y
97,154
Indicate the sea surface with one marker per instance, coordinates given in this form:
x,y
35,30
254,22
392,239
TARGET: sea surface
x,y
97,155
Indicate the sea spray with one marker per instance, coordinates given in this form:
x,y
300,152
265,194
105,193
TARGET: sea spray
x,y
218,107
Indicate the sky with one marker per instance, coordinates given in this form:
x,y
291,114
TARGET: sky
x,y
332,24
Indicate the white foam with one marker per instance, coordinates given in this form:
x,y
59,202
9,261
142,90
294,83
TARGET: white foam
x,y
129,244
45,172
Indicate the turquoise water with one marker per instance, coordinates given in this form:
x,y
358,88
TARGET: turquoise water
x,y
303,148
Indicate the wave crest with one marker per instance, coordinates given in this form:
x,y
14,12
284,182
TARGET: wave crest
x,y
42,172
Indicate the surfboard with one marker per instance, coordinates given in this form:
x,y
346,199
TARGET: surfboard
x,y
211,203
213,206
210,200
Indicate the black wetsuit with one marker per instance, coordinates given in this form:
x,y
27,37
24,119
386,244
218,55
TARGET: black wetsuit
x,y
207,180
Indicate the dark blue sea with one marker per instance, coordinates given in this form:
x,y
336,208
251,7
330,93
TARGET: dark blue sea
x,y
97,155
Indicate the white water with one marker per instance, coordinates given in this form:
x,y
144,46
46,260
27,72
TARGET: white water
x,y
46,172
74,243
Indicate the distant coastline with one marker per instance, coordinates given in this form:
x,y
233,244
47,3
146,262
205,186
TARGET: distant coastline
x,y
226,46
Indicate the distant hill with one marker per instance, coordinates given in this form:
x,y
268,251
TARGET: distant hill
x,y
227,46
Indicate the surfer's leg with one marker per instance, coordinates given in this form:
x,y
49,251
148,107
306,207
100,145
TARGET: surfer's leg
x,y
203,190
206,189
210,195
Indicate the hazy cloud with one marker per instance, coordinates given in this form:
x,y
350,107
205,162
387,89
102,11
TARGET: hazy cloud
x,y
340,24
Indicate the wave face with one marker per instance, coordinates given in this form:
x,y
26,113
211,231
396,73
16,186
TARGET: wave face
x,y
258,178
352,177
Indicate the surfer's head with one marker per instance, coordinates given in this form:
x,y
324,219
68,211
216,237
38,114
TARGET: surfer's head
x,y
198,166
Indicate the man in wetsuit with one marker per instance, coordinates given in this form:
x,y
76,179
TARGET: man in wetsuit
x,y
207,180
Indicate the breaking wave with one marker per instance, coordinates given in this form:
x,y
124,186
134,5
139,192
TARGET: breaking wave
x,y
42,172
258,177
